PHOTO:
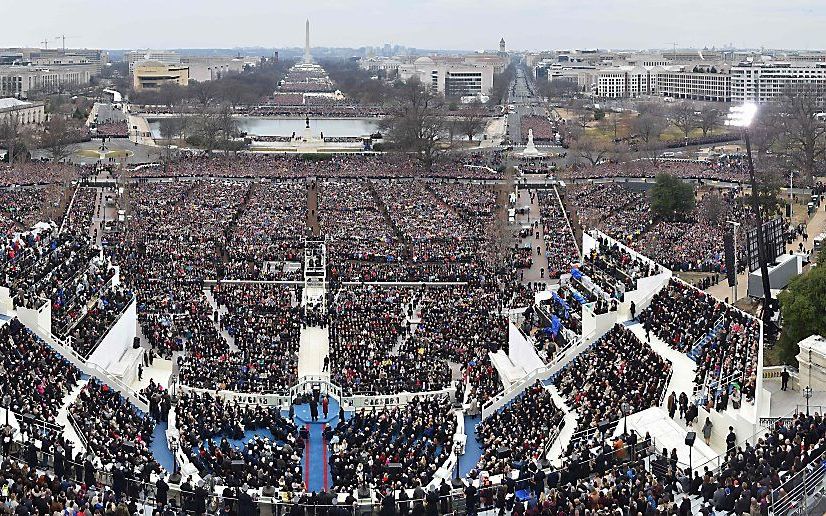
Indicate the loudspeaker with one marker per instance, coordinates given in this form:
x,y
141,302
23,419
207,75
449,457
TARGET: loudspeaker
x,y
128,446
689,438
731,260
603,426
237,466
503,453
394,468
136,343
457,483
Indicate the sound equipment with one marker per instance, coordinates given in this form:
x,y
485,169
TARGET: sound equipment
x,y
129,446
136,343
603,426
237,466
394,468
689,438
503,453
457,483
731,260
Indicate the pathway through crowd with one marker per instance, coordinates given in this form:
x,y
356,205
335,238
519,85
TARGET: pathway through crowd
x,y
317,474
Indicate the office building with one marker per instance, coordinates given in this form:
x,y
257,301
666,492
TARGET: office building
x,y
26,113
700,82
19,80
768,81
158,56
450,78
149,75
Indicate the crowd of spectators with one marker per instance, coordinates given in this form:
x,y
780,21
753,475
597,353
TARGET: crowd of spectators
x,y
370,350
35,377
82,209
23,207
723,169
269,232
610,207
39,173
720,338
270,457
532,422
617,369
398,446
559,244
352,166
113,429
95,323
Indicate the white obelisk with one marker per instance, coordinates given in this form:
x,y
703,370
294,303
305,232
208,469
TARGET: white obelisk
x,y
307,57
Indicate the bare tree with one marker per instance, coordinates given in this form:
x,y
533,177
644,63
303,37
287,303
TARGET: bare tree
x,y
471,120
710,117
592,150
648,126
713,209
803,129
416,121
683,117
58,138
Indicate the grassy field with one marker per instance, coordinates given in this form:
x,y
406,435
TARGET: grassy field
x,y
603,130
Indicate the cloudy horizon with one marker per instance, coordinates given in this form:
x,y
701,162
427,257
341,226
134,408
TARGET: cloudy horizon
x,y
432,24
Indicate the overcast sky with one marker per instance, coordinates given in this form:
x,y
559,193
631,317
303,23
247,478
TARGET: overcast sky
x,y
455,24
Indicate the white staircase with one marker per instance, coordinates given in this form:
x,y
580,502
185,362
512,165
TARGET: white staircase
x,y
222,311
508,371
683,368
556,453
62,419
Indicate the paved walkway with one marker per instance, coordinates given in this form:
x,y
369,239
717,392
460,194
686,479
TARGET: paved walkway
x,y
684,369
539,261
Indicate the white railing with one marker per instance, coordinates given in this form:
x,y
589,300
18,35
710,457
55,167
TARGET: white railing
x,y
540,373
67,351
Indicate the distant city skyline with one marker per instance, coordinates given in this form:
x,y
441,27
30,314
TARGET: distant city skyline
x,y
432,24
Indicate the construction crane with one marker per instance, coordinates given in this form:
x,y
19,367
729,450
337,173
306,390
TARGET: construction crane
x,y
45,43
63,37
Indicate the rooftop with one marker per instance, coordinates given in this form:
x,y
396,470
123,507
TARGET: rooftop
x,y
9,102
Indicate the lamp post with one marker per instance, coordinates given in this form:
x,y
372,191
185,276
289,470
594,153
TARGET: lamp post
x,y
6,405
807,393
742,116
736,257
625,407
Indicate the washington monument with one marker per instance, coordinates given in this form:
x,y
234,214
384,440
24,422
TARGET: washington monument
x,y
307,57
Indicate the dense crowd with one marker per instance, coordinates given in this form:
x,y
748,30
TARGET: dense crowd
x,y
359,166
617,369
722,340
268,232
399,446
723,169
39,173
113,429
533,422
35,377
560,248
610,207
23,207
271,456
98,319
369,336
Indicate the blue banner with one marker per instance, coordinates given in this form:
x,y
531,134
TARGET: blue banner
x,y
576,273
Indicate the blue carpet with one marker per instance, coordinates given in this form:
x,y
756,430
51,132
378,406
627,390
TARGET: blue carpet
x,y
160,448
317,459
302,413
473,451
